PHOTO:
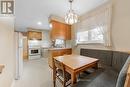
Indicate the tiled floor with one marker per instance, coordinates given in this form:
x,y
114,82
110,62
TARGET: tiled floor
x,y
36,74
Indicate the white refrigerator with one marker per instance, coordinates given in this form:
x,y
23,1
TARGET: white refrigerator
x,y
19,54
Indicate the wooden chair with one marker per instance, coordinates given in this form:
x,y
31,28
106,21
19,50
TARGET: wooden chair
x,y
60,74
127,82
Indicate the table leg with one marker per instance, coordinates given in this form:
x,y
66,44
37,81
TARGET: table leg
x,y
96,66
73,78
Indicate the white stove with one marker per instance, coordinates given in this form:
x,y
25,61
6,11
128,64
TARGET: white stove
x,y
34,53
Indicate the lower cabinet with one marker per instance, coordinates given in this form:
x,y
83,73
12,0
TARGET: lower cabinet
x,y
55,53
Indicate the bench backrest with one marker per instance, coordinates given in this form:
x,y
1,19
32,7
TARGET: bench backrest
x,y
114,59
104,56
118,60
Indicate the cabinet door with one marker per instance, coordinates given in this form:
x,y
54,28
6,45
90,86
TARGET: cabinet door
x,y
54,30
56,53
62,52
34,35
68,32
62,31
25,48
58,30
68,51
38,35
30,35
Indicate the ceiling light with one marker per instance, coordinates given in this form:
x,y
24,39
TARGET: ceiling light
x,y
71,17
39,23
50,25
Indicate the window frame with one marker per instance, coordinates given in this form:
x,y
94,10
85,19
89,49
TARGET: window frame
x,y
90,41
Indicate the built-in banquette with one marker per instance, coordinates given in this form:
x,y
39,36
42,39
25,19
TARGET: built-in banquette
x,y
113,67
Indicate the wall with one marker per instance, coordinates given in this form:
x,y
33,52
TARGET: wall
x,y
120,28
46,38
7,56
121,25
75,29
56,18
45,43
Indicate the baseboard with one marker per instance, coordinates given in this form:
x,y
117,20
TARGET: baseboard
x,y
13,83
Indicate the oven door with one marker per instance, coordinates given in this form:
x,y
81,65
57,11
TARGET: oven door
x,y
34,51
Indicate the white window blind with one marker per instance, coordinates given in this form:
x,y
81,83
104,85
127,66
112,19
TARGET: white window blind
x,y
95,28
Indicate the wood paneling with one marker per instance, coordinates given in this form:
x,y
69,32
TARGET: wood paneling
x,y
60,31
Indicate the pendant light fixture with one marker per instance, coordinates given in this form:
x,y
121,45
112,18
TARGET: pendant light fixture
x,y
71,17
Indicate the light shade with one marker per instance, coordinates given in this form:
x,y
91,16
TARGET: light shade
x,y
71,17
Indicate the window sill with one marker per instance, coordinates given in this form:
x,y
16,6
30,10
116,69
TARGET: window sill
x,y
90,43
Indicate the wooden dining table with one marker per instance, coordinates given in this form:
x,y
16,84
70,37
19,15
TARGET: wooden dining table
x,y
74,64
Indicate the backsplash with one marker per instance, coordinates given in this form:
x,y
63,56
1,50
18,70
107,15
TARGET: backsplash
x,y
59,43
45,44
68,43
33,43
46,39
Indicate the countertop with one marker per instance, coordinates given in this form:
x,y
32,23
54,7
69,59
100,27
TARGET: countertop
x,y
58,48
45,47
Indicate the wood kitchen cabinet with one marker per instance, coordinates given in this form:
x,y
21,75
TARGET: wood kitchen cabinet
x,y
34,35
25,46
68,51
60,31
68,32
57,52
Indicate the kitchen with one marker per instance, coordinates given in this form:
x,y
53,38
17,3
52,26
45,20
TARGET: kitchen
x,y
38,43
97,38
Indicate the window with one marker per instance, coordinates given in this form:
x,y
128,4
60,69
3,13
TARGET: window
x,y
95,27
96,35
91,36
82,36
59,43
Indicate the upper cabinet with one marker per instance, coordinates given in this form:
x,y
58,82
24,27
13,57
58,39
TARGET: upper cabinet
x,y
60,31
68,32
34,35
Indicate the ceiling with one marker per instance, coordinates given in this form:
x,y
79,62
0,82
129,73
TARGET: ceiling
x,y
35,13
